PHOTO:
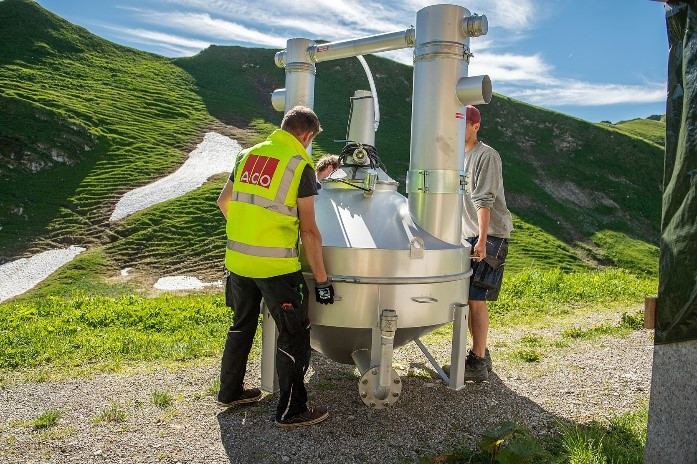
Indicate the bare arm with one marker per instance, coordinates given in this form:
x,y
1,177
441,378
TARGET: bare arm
x,y
483,218
224,198
312,239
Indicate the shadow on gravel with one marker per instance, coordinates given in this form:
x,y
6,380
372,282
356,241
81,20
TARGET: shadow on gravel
x,y
429,419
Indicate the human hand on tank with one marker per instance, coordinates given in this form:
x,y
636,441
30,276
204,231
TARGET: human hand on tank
x,y
479,250
324,292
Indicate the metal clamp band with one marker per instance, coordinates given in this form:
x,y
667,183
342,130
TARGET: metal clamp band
x,y
300,67
435,181
440,49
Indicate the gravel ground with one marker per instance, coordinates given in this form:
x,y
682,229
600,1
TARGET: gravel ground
x,y
590,379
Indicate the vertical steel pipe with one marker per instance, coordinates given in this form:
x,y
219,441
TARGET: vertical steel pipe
x,y
388,326
435,179
300,74
362,118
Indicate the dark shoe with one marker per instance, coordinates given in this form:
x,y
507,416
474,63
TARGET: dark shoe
x,y
487,358
249,395
310,417
475,368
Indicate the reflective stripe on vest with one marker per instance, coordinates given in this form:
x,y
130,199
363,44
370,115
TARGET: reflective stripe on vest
x,y
287,178
257,200
264,252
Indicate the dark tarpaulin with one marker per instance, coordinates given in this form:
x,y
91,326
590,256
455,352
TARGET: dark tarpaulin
x,y
676,315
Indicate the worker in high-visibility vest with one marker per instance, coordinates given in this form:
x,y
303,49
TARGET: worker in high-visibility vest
x,y
268,201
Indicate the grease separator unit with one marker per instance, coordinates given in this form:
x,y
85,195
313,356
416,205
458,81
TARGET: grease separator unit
x,y
398,266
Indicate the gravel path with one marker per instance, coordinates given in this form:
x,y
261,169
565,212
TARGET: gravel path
x,y
589,379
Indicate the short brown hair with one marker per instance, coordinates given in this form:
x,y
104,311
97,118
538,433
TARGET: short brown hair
x,y
326,161
299,120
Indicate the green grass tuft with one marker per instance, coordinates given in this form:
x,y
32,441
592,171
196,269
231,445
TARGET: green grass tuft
x,y
622,440
161,399
47,419
532,341
113,414
214,387
528,355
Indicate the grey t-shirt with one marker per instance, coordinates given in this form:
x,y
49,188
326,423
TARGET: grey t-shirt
x,y
485,190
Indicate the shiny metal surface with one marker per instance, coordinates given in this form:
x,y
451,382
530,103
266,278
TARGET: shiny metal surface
x,y
475,25
438,124
376,396
474,90
459,346
278,99
388,326
361,126
438,116
436,181
361,46
300,75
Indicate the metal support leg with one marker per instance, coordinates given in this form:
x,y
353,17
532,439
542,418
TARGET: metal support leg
x,y
433,361
459,347
269,335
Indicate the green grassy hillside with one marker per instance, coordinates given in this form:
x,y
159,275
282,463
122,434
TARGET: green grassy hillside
x,y
84,120
648,129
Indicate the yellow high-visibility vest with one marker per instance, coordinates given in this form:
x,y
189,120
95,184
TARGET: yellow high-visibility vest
x,y
262,219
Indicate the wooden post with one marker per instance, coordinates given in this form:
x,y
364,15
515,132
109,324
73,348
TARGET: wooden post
x,y
650,312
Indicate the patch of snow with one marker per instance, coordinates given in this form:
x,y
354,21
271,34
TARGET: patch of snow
x,y
17,277
125,271
171,283
214,155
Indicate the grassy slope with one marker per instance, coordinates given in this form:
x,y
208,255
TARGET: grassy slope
x,y
117,117
647,129
566,180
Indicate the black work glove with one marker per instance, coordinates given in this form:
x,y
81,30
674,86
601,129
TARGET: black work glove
x,y
324,292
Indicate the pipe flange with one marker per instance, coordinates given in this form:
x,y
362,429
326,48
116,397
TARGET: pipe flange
x,y
369,385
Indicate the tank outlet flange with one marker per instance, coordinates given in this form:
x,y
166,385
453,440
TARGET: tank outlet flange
x,y
371,393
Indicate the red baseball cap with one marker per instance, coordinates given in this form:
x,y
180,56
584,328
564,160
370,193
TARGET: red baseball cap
x,y
473,116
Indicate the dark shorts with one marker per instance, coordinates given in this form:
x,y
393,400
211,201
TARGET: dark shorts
x,y
487,275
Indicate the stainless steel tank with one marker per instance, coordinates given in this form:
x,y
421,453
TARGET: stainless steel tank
x,y
397,264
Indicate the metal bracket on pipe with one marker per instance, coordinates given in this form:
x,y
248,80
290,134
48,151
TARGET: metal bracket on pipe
x,y
435,181
416,248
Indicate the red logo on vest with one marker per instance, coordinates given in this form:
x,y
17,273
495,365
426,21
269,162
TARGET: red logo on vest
x,y
259,170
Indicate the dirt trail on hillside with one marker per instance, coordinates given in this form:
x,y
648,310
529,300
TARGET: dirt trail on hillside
x,y
590,379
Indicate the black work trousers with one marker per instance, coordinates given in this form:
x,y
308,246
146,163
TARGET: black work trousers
x,y
287,299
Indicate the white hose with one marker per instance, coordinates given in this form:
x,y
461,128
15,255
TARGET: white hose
x,y
372,90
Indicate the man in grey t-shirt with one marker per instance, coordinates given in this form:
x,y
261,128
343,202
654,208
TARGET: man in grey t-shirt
x,y
486,226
